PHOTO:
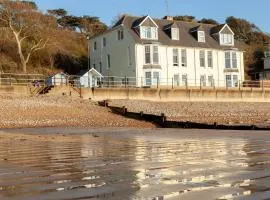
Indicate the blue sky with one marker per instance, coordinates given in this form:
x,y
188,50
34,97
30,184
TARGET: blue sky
x,y
257,12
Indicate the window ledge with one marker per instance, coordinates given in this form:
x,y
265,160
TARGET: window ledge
x,y
231,70
151,66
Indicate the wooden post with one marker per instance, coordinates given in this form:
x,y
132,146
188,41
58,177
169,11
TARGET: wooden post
x,y
163,118
124,110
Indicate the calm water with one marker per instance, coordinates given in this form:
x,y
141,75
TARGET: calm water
x,y
138,165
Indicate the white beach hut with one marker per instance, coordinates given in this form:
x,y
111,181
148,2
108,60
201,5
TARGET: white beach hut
x,y
57,79
90,78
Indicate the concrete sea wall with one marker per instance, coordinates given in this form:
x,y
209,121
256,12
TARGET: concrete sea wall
x,y
173,95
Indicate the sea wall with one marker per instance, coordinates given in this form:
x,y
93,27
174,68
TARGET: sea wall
x,y
171,95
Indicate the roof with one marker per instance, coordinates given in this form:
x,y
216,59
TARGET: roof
x,y
92,70
186,38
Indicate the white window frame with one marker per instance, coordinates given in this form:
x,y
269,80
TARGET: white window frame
x,y
183,57
210,79
175,57
175,33
184,79
154,53
233,83
203,80
201,36
226,39
233,60
150,33
210,59
202,52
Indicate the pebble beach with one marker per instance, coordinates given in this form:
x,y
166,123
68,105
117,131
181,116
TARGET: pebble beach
x,y
59,111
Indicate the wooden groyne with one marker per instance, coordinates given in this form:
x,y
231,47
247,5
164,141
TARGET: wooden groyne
x,y
161,120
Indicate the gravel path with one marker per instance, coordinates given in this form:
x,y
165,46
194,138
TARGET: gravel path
x,y
45,111
224,113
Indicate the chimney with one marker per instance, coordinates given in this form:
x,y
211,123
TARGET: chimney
x,y
169,18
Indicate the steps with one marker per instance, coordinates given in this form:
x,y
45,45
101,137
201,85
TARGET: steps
x,y
46,90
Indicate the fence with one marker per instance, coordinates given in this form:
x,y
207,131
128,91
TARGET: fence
x,y
126,82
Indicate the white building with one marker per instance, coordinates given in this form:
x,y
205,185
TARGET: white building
x,y
166,52
89,78
57,79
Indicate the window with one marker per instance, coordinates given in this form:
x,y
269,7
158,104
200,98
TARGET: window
x,y
184,57
203,80
176,80
156,78
234,60
120,34
202,58
175,33
232,81
94,65
104,42
235,81
228,81
184,79
155,55
175,57
211,81
227,59
95,46
100,67
151,55
226,39
201,36
148,79
149,32
109,61
147,55
230,59
210,58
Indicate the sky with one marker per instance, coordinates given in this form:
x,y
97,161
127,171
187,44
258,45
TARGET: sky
x,y
257,12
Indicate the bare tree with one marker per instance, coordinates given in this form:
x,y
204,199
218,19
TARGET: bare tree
x,y
28,26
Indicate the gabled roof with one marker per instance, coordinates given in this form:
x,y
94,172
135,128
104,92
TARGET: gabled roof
x,y
141,20
92,70
220,28
186,38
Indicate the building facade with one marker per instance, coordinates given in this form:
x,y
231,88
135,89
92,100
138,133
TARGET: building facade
x,y
150,52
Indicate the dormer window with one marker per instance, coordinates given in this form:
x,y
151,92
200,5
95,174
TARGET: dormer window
x,y
226,39
201,36
175,33
150,33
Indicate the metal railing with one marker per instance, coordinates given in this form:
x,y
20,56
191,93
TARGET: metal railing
x,y
128,82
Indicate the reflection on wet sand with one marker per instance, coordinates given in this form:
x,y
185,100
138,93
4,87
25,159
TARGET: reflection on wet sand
x,y
135,167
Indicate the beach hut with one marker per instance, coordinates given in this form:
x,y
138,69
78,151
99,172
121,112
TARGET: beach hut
x,y
57,79
90,78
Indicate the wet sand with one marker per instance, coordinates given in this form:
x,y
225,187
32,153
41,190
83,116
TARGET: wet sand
x,y
123,164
